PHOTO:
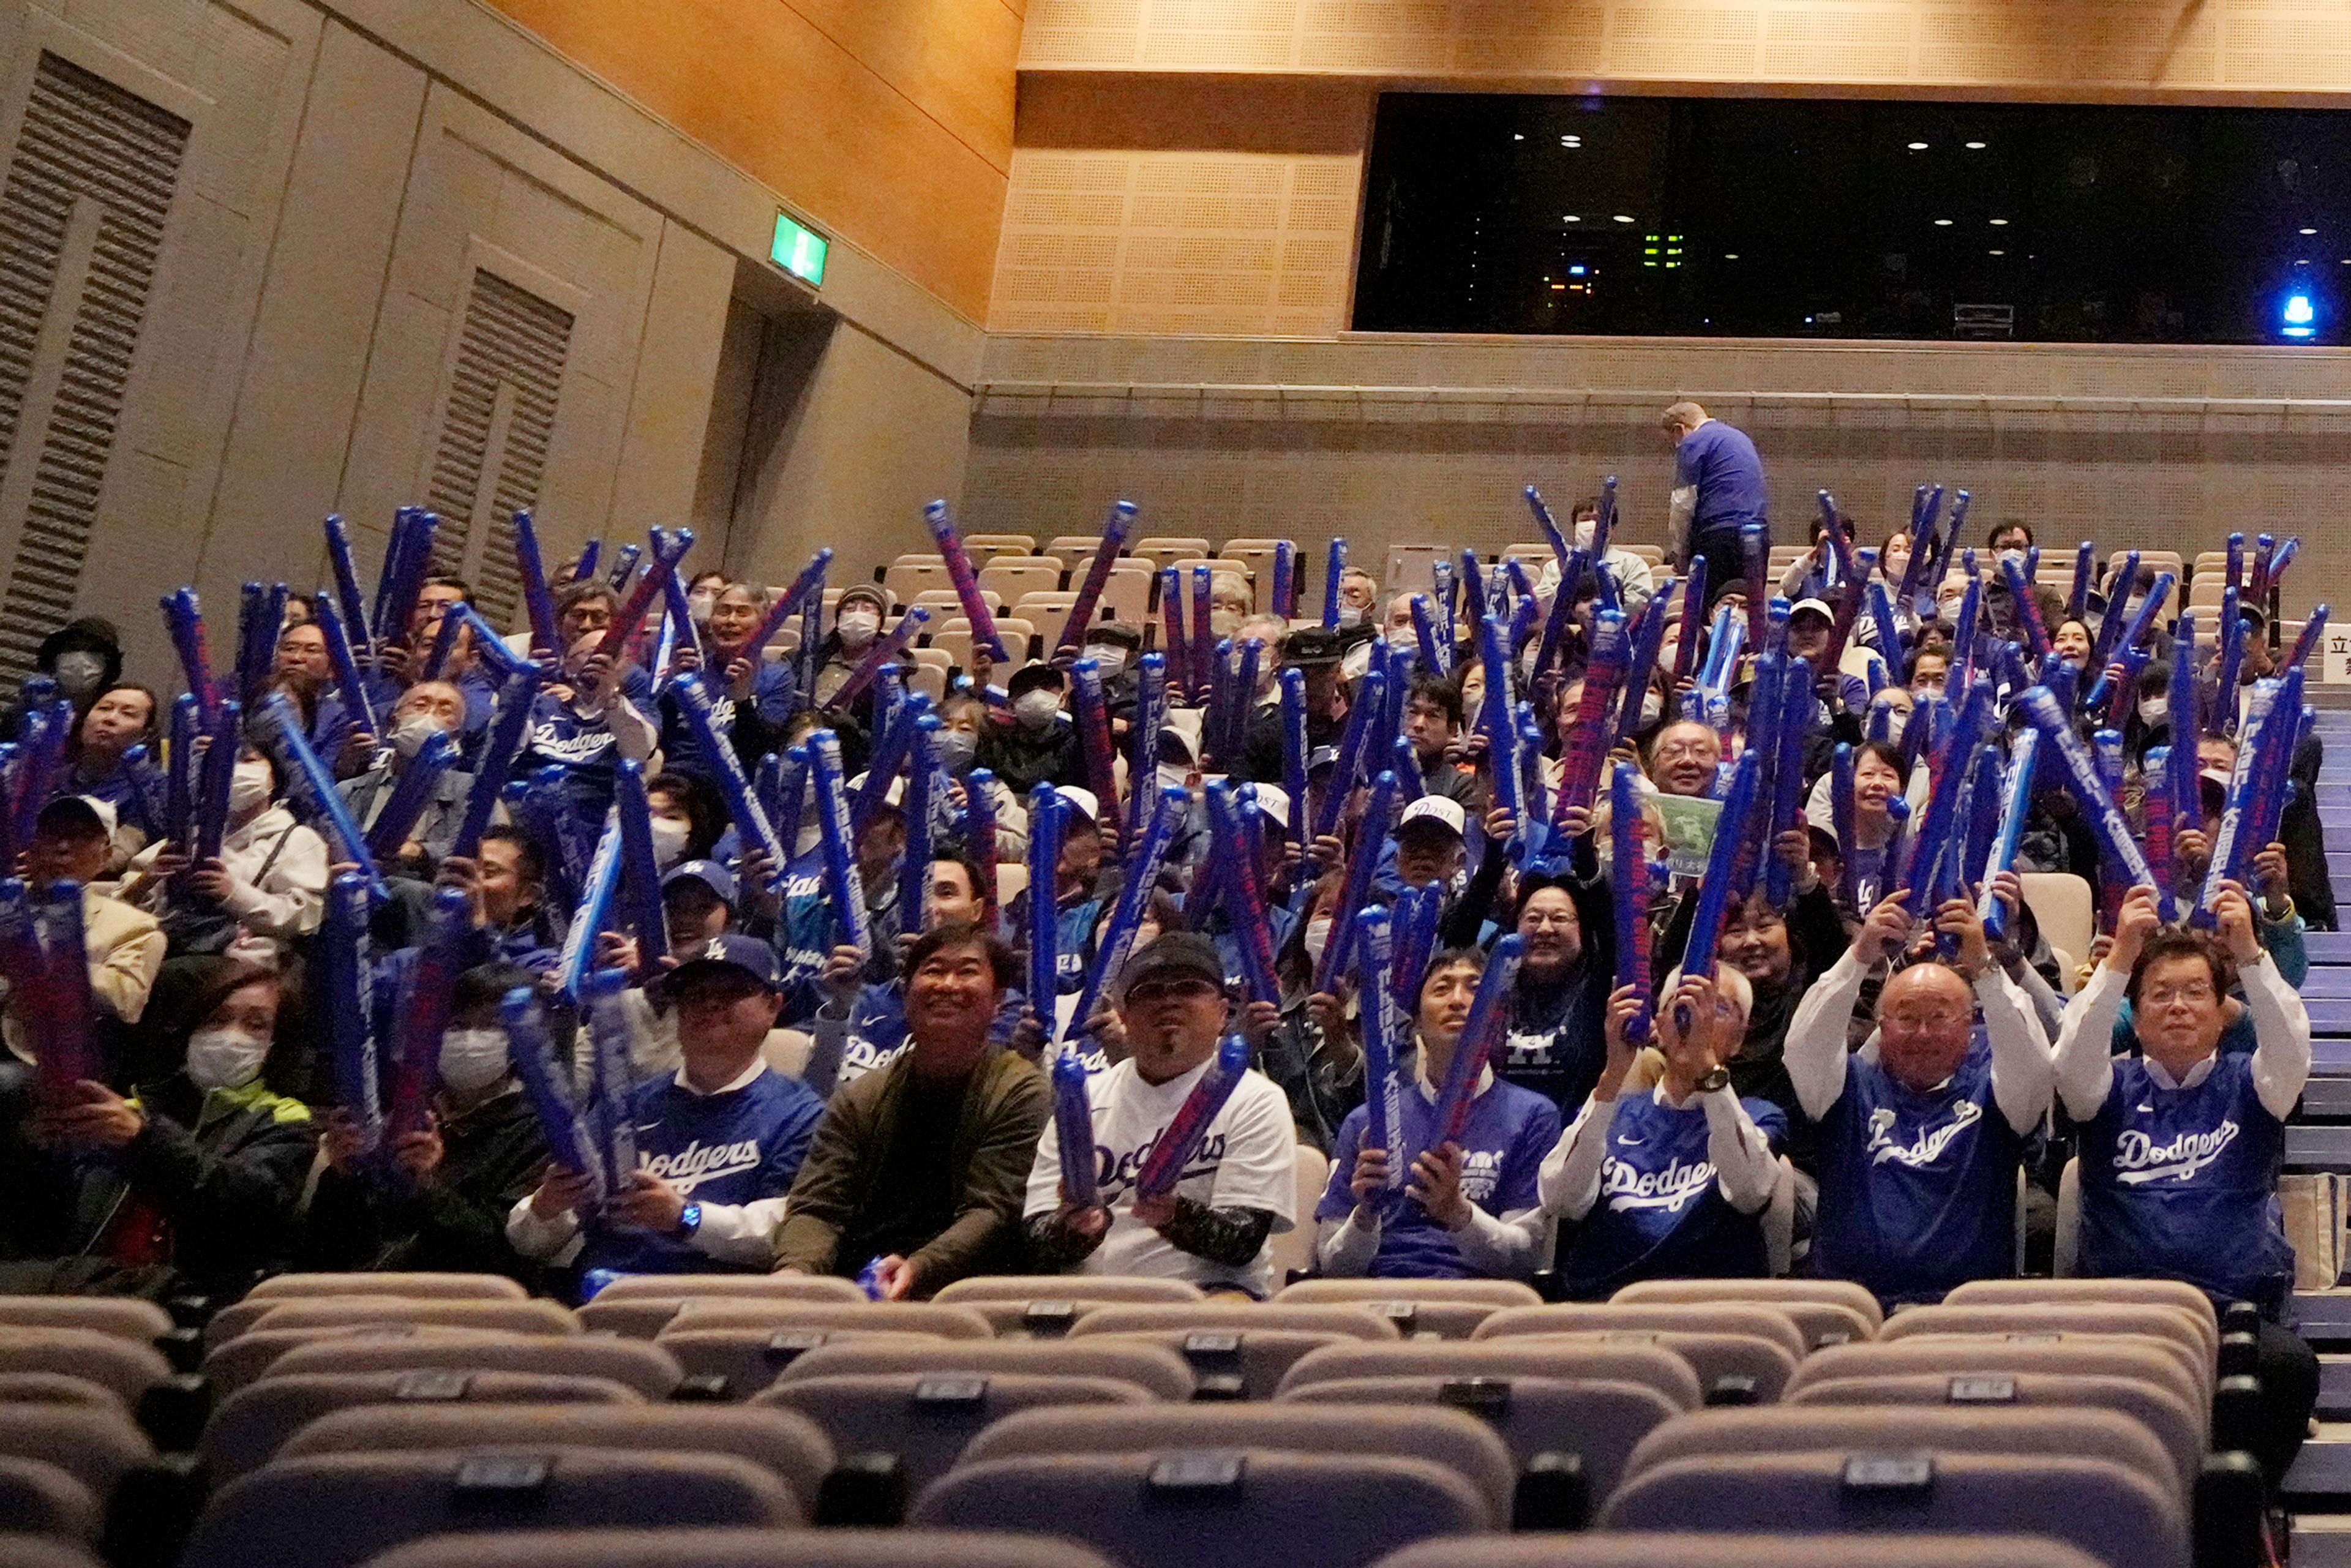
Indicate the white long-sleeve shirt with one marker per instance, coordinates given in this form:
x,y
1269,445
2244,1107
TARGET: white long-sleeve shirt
x,y
2281,1064
2022,1072
1744,1165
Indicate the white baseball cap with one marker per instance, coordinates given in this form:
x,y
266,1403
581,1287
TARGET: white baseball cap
x,y
1082,798
1436,809
1273,802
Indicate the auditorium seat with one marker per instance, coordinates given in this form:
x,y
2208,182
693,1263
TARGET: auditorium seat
x,y
1800,1299
1453,1439
124,1317
1014,575
1125,593
924,1420
723,1287
2087,1356
41,1499
1406,570
95,1446
910,575
58,1389
1691,1549
2177,1426
2174,1294
2048,1430
1598,1420
1450,1309
126,1368
1150,1368
2111,1512
1032,1304
892,1317
1070,547
791,1449
503,1316
1047,611
985,548
337,1511
1237,1351
647,1368
1291,1251
2167,1324
1177,1508
18,1549
251,1424
738,1362
1163,550
390,1282
756,1549
1737,1351
1595,1360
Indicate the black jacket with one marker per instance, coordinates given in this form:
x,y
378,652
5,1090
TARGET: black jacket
x,y
492,1156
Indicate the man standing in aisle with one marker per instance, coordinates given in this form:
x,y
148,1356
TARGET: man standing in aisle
x,y
1718,490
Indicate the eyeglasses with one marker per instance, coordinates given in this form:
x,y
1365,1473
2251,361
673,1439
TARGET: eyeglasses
x,y
2194,992
1537,918
1676,751
1924,1021
1154,992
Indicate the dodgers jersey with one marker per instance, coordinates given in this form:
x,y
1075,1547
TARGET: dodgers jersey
x,y
1660,1214
1511,1129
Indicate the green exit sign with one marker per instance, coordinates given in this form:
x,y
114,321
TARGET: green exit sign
x,y
799,251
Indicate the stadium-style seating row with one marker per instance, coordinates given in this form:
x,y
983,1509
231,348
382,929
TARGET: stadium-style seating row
x,y
332,1420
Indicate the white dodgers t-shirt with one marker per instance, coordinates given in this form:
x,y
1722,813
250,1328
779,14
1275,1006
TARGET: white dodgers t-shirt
x,y
1248,1160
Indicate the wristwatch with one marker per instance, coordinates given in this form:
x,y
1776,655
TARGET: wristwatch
x,y
689,1220
1718,1079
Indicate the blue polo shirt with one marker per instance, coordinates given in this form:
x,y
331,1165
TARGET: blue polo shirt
x,y
1510,1130
1728,475
1661,1213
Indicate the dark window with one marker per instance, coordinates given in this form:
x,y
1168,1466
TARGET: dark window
x,y
1782,218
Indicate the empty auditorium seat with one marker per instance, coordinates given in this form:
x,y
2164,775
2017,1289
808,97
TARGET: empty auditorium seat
x,y
96,1445
1164,550
2111,1512
1175,1509
892,1317
1679,1548
787,1445
1014,575
1147,1366
1126,593
912,574
2179,1428
123,1366
735,1364
924,1420
1737,1351
125,1317
1598,1420
21,1551
538,1317
2087,1356
2166,1325
251,1424
627,1305
1018,1304
2175,1293
1240,1350
757,1549
58,1389
336,1511
1070,547
1406,570
1798,1298
2050,1430
40,1498
1584,1358
390,1282
647,1368
1450,1309
1047,611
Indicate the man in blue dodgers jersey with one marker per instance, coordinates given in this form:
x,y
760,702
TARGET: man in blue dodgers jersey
x,y
585,724
1919,1144
2181,1147
1470,1209
1670,1184
718,1143
751,696
1239,1187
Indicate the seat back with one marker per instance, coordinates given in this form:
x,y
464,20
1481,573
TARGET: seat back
x,y
1406,570
2051,1430
248,1428
1180,1510
1345,1322
794,1450
22,1551
126,1368
2111,1512
910,575
888,1317
1599,1420
1155,1370
926,1420
1164,550
1679,1548
40,1498
92,1444
2063,906
336,1511
1582,1359
124,1317
1781,1294
531,1317
1238,1362
2173,1423
420,1285
2088,1356
739,1362
2177,1294
1025,1303
751,1548
647,1368
1449,1309
1458,1442
1767,1323
1291,1251
1014,575
1046,611
1732,1368
58,1389
2166,1325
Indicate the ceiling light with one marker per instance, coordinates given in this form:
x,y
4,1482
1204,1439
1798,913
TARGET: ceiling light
x,y
1918,147
1570,218
1624,217
2309,231
1998,253
1734,256
2000,223
1975,146
1942,223
1518,138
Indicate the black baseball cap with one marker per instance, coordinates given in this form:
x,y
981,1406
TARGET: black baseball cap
x,y
732,950
1174,954
1309,647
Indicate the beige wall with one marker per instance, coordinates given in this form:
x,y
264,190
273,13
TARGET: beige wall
x,y
369,190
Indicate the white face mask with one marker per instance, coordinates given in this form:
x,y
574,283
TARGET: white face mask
x,y
669,841
1652,708
1036,709
698,606
224,1058
858,627
955,748
2154,710
1318,937
474,1058
409,735
1351,615
1109,659
78,674
248,788
1405,637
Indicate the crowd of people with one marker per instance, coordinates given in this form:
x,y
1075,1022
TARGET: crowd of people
x,y
1830,1038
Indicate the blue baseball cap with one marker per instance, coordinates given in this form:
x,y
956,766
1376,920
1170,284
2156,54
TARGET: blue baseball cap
x,y
710,874
734,950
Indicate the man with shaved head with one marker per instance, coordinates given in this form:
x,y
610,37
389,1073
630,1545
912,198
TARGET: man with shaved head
x,y
1718,490
1922,1133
